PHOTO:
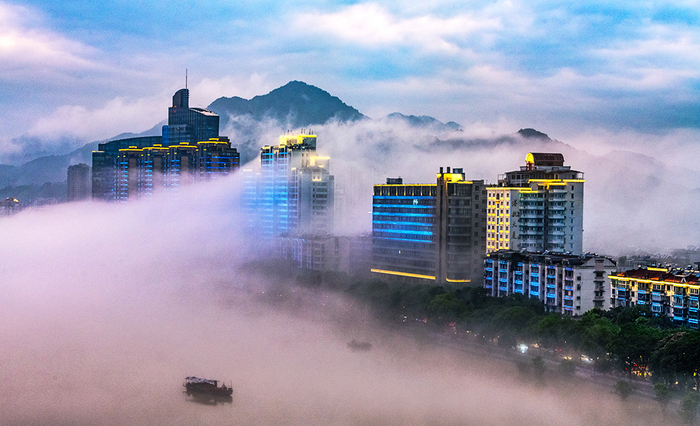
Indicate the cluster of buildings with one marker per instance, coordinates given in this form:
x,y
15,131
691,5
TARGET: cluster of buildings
x,y
522,235
189,150
10,206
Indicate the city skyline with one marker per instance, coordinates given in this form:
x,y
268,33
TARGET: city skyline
x,y
597,76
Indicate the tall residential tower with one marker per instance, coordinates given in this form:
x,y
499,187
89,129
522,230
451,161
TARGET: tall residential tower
x,y
537,208
294,191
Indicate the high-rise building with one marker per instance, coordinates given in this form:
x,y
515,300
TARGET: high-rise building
x,y
79,187
190,150
190,125
537,208
293,193
565,283
430,232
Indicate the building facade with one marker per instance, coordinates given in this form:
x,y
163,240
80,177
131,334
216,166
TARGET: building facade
x,y
190,150
10,206
537,208
293,194
323,253
567,284
430,232
189,125
79,182
670,292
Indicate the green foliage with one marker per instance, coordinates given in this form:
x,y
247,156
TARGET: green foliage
x,y
538,368
567,367
689,407
633,346
596,333
662,394
677,357
624,389
628,338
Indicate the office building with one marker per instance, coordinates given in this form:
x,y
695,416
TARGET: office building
x,y
190,150
565,283
79,182
189,125
293,194
431,233
671,292
537,208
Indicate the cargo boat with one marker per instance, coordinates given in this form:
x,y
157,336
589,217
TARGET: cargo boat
x,y
199,386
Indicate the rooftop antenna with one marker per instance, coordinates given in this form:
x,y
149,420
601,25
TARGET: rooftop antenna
x,y
185,78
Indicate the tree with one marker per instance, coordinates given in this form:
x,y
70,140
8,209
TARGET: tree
x,y
567,367
446,306
538,368
633,347
663,395
678,357
689,407
624,389
597,333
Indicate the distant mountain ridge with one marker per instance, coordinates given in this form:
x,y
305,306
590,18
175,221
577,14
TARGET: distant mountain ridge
x,y
296,103
425,121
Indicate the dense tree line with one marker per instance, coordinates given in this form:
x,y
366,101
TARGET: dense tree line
x,y
632,339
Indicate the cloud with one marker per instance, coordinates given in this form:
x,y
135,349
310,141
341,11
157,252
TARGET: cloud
x,y
27,46
372,25
117,116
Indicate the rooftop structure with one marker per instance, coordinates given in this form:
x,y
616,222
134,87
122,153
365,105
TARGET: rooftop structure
x,y
537,208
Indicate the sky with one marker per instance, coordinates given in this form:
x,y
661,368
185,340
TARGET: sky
x,y
600,75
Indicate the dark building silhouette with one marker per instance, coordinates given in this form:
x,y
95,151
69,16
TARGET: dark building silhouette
x,y
79,182
189,150
187,124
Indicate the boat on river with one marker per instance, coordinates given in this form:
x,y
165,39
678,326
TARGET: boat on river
x,y
198,386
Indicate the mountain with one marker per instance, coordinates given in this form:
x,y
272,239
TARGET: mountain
x,y
425,122
295,104
532,133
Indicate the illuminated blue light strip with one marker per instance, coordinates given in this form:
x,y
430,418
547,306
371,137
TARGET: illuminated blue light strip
x,y
399,231
404,239
386,222
403,205
403,214
402,197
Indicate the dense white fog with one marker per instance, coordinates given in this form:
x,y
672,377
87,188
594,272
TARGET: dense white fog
x,y
639,194
106,308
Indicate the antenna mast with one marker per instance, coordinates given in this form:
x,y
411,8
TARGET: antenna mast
x,y
185,78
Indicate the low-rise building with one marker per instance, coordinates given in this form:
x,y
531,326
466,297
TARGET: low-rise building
x,y
326,253
670,292
565,283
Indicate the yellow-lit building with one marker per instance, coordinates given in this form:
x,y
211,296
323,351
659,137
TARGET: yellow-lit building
x,y
537,208
293,194
670,292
